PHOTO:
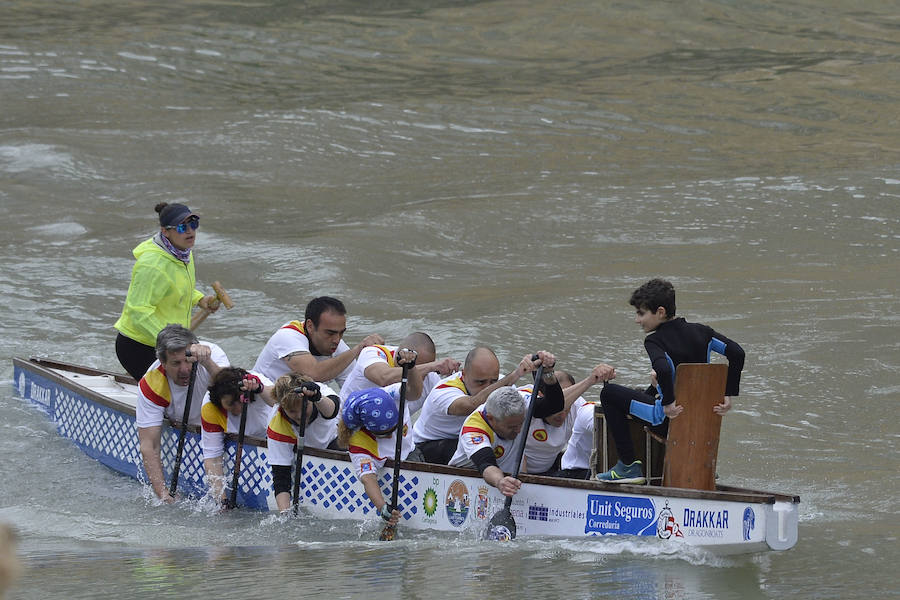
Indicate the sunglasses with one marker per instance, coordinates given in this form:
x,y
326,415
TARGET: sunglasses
x,y
193,222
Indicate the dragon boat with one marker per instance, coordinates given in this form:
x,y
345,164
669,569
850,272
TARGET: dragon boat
x,y
95,409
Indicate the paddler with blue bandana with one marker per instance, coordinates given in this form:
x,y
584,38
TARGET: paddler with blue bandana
x,y
369,428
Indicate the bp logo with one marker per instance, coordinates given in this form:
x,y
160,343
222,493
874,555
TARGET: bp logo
x,y
430,502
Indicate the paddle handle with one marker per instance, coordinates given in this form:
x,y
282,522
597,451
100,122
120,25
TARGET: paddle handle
x,y
298,468
239,453
176,469
222,296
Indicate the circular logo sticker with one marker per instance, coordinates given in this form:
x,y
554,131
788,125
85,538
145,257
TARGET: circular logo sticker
x,y
457,503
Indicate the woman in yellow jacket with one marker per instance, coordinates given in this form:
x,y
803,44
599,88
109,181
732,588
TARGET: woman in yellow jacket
x,y
162,289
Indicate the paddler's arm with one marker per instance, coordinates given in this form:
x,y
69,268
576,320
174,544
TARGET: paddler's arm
x,y
414,376
507,484
281,483
382,374
601,372
464,405
202,354
305,363
373,491
149,442
215,477
553,400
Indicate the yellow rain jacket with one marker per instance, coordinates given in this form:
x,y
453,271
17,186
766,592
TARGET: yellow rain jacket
x,y
162,291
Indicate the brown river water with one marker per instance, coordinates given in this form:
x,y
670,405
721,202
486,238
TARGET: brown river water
x,y
499,172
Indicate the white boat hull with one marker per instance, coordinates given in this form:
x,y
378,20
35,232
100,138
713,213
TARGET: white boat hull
x,y
96,411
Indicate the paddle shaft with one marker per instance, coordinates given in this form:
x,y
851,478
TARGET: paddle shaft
x,y
398,449
298,468
520,449
388,532
184,422
238,454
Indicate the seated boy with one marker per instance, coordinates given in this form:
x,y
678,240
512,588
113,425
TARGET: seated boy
x,y
671,341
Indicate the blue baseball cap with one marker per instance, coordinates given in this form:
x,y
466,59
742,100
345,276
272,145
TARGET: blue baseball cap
x,y
173,214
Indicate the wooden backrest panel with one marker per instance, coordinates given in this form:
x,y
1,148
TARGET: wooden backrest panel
x,y
693,441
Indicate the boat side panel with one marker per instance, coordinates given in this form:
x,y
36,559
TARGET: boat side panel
x,y
110,437
449,502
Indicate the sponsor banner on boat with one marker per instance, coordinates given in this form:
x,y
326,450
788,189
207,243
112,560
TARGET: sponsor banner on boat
x,y
620,514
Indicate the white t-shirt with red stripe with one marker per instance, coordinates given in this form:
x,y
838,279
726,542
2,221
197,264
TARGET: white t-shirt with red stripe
x,y
160,398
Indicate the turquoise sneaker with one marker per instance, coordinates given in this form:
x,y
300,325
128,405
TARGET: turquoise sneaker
x,y
622,473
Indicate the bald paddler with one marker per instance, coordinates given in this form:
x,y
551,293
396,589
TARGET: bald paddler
x,y
313,347
490,435
377,366
162,393
446,407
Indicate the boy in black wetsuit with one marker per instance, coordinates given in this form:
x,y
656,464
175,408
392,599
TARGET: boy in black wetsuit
x,y
671,341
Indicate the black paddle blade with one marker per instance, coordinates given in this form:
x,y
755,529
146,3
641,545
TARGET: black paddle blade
x,y
502,527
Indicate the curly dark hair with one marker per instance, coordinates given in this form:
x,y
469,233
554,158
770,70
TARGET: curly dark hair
x,y
653,294
227,382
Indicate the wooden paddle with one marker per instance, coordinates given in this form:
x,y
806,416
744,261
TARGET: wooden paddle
x,y
184,423
503,526
238,454
301,443
221,296
387,534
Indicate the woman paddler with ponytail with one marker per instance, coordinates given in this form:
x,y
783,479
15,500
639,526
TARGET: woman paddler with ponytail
x,y
162,290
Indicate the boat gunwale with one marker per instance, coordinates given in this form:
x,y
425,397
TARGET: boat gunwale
x,y
722,493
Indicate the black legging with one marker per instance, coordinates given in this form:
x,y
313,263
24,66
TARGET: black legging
x,y
616,401
134,356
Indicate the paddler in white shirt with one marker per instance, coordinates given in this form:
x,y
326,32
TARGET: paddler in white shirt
x,y
377,366
490,435
162,393
368,427
549,436
229,391
314,347
436,432
322,404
